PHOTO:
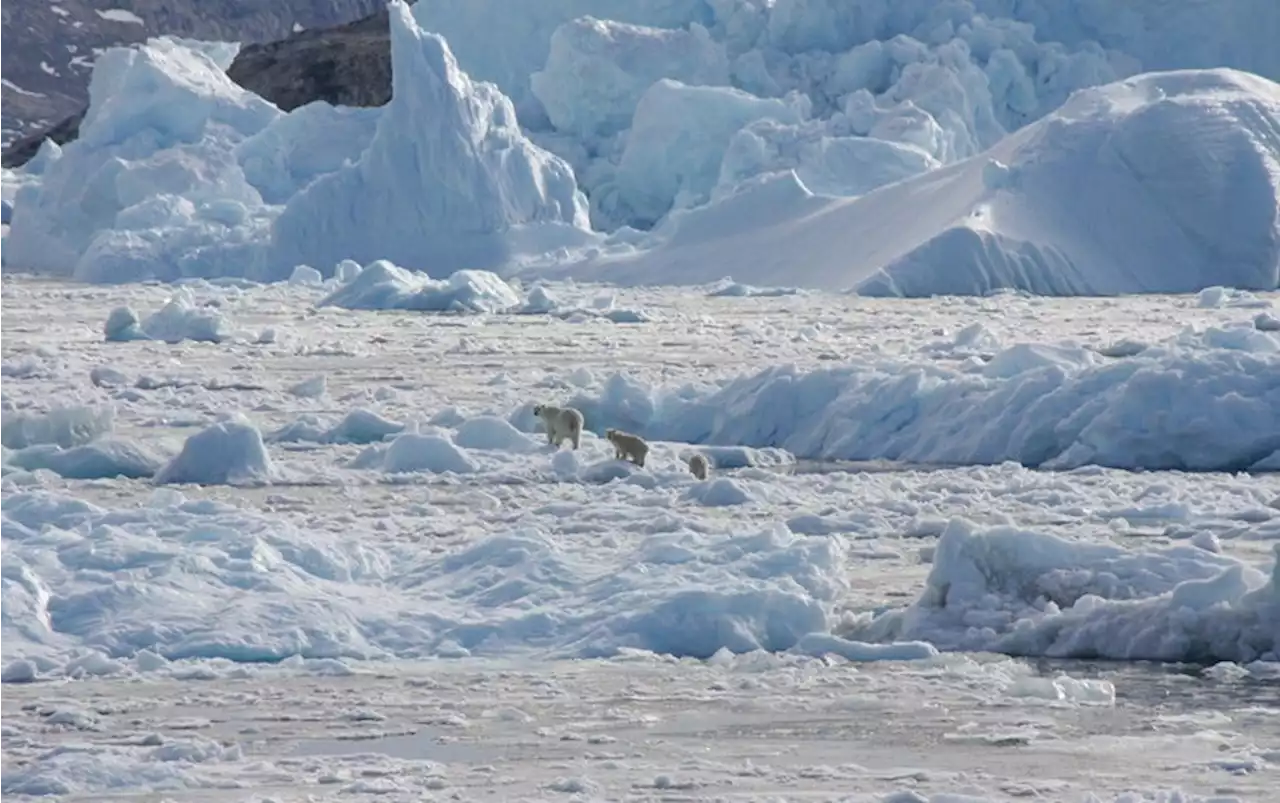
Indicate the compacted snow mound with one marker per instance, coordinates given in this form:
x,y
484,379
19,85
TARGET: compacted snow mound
x,y
446,175
413,452
1165,182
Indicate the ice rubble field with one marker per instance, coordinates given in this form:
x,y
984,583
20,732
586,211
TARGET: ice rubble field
x,y
374,489
911,148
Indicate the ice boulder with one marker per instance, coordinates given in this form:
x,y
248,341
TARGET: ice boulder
x,y
677,142
181,318
230,451
598,70
162,121
447,175
122,325
1165,182
305,275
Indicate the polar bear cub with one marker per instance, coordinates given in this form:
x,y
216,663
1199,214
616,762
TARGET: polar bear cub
x,y
562,423
627,446
699,465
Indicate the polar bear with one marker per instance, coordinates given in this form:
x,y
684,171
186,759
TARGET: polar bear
x,y
561,423
627,446
699,465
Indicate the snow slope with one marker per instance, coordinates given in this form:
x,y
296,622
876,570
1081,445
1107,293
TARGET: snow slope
x,y
1163,182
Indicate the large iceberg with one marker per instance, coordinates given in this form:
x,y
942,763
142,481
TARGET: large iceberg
x,y
179,172
447,174
152,181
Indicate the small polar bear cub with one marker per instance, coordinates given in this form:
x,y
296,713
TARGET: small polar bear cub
x,y
562,423
699,465
627,446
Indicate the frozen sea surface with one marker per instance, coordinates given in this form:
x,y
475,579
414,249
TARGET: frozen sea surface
x,y
289,633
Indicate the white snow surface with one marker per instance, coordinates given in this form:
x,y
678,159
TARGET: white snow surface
x,y
936,148
414,595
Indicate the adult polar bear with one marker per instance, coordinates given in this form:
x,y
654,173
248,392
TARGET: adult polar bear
x,y
562,423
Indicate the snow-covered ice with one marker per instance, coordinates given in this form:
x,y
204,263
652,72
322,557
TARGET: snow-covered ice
x,y
1060,207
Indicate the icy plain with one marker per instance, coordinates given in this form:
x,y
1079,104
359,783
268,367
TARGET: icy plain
x,y
390,588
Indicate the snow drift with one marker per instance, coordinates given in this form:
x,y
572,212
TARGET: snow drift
x,y
1166,182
